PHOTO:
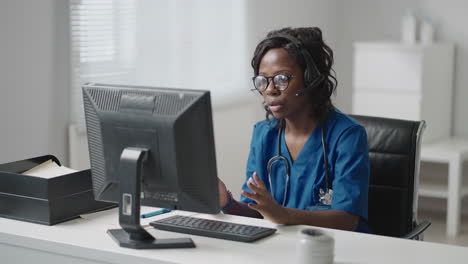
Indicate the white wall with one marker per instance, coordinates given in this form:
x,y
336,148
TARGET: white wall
x,y
370,20
33,79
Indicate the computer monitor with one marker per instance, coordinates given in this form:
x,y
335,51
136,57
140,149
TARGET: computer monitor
x,y
150,146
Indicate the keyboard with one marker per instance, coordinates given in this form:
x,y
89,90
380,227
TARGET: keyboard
x,y
212,228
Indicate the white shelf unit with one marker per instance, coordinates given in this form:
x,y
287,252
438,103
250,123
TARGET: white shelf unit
x,y
433,190
404,81
454,152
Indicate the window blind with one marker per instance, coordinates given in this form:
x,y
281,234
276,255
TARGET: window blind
x,y
103,38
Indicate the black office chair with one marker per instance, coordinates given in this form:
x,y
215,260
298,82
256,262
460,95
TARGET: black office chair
x,y
394,147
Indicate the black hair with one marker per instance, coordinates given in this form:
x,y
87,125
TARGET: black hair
x,y
310,38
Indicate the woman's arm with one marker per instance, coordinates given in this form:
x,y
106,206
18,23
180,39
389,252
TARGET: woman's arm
x,y
234,207
242,209
336,219
270,209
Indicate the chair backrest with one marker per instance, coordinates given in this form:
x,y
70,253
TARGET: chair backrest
x,y
394,147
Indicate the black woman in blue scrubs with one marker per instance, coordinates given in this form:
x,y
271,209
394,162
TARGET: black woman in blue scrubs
x,y
308,161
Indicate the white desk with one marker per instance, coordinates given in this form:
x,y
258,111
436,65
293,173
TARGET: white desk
x,y
86,241
453,151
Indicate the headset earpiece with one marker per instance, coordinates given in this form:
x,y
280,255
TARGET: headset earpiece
x,y
307,75
309,88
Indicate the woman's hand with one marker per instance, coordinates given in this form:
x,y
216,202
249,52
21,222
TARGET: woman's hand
x,y
223,194
266,204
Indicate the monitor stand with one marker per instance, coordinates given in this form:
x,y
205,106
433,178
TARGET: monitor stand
x,y
132,234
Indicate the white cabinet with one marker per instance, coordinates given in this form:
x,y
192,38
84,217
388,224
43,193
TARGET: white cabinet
x,y
405,81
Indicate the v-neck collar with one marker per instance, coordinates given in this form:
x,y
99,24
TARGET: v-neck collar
x,y
313,142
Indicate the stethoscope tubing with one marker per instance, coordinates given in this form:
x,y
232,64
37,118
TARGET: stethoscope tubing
x,y
270,164
281,157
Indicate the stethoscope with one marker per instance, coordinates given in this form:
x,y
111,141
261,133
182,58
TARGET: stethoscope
x,y
325,195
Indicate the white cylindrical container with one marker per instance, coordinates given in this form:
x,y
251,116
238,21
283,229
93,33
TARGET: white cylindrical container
x,y
408,28
315,247
427,31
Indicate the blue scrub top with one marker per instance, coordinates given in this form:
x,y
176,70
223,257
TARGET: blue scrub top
x,y
348,160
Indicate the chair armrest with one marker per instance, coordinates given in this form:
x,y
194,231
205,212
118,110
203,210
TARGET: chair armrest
x,y
417,230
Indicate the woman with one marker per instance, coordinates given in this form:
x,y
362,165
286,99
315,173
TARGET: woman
x,y
308,162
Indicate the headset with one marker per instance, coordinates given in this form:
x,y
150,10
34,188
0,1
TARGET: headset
x,y
312,76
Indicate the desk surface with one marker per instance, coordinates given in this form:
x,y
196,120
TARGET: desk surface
x,y
86,241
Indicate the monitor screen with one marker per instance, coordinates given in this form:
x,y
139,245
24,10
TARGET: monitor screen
x,y
173,128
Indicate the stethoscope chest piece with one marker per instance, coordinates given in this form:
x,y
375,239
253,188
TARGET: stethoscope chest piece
x,y
325,196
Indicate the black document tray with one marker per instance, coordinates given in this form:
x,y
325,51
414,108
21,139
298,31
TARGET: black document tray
x,y
45,201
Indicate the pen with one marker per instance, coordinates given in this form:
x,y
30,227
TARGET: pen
x,y
155,213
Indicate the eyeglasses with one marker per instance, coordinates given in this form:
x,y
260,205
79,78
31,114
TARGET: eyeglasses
x,y
280,81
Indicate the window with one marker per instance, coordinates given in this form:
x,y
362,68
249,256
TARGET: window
x,y
103,38
178,43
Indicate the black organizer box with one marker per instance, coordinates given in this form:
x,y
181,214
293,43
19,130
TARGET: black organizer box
x,y
45,201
